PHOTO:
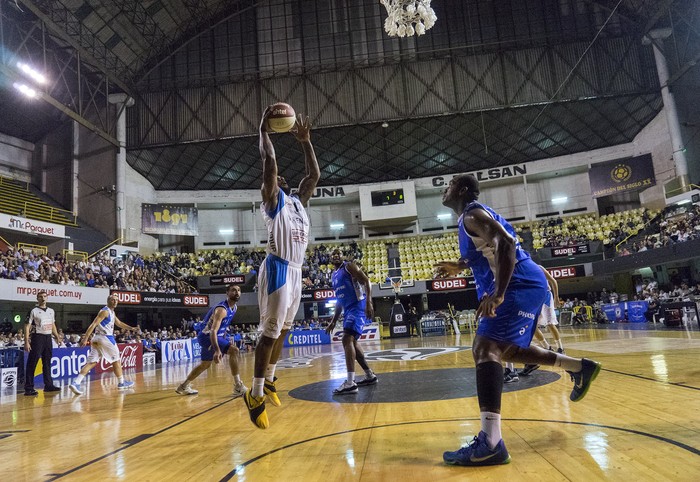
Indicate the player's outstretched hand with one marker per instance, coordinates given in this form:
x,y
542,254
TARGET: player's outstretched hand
x,y
302,128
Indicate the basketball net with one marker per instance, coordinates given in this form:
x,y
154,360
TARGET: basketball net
x,y
396,283
408,17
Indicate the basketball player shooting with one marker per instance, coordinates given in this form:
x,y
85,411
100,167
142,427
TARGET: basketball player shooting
x,y
279,278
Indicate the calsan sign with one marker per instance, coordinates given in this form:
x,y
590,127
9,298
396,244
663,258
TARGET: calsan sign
x,y
485,174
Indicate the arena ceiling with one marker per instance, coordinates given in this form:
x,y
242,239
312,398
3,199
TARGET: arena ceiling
x,y
138,46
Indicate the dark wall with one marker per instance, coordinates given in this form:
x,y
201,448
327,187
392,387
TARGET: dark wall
x,y
53,155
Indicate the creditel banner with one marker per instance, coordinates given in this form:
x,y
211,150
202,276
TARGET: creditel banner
x,y
621,175
561,251
148,298
13,290
169,219
307,337
130,354
32,226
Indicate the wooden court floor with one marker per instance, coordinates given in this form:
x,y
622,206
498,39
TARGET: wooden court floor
x,y
640,420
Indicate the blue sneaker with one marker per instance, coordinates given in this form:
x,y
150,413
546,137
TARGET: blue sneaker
x,y
583,379
75,388
478,453
125,385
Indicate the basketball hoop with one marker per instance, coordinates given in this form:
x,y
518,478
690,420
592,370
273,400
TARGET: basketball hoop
x,y
408,17
396,284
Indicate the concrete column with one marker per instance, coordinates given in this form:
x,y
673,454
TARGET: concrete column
x,y
75,169
674,126
121,101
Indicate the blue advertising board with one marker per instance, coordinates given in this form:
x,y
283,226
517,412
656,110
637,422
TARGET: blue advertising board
x,y
306,338
65,363
634,309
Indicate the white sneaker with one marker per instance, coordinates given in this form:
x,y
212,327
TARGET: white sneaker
x,y
346,388
239,390
125,385
186,390
75,388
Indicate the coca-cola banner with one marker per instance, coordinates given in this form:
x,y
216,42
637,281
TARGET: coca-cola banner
x,y
147,298
562,251
317,295
451,284
130,354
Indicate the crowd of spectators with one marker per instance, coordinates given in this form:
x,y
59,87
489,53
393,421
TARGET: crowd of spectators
x,y
317,269
130,272
677,225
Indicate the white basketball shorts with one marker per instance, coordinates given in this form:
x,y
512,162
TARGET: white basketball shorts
x,y
548,315
103,346
279,295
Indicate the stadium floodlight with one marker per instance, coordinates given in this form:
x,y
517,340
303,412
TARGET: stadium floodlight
x,y
337,226
226,231
26,90
35,75
443,216
559,200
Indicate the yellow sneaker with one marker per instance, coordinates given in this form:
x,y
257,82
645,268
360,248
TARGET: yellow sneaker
x,y
271,393
256,409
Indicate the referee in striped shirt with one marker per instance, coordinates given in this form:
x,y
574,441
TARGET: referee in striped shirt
x,y
42,324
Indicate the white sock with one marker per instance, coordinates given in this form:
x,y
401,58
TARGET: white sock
x,y
120,379
237,379
258,384
351,377
568,363
491,424
560,344
510,366
270,372
79,379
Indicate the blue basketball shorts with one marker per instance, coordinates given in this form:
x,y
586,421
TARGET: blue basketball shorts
x,y
354,320
207,350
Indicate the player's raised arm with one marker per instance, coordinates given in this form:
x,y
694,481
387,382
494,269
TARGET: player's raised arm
x,y
269,188
308,184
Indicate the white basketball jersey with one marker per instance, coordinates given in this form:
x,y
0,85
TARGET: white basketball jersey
x,y
106,326
287,228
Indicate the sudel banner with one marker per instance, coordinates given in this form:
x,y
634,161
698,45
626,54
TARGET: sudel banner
x,y
169,219
148,298
621,175
562,251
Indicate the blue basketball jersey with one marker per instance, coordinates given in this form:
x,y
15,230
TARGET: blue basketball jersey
x,y
348,292
482,257
228,318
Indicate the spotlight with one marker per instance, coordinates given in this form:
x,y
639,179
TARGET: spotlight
x,y
38,77
26,90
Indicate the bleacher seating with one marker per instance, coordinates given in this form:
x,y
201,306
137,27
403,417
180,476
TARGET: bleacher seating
x,y
17,199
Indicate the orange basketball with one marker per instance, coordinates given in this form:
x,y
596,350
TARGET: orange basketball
x,y
281,117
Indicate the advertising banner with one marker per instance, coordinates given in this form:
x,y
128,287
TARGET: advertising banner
x,y
317,295
65,363
149,360
306,337
233,279
369,333
13,290
176,350
621,175
130,355
451,284
562,251
169,219
32,226
8,377
196,348
565,272
147,298
633,309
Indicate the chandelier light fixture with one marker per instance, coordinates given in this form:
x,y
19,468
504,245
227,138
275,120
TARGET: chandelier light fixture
x,y
408,17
